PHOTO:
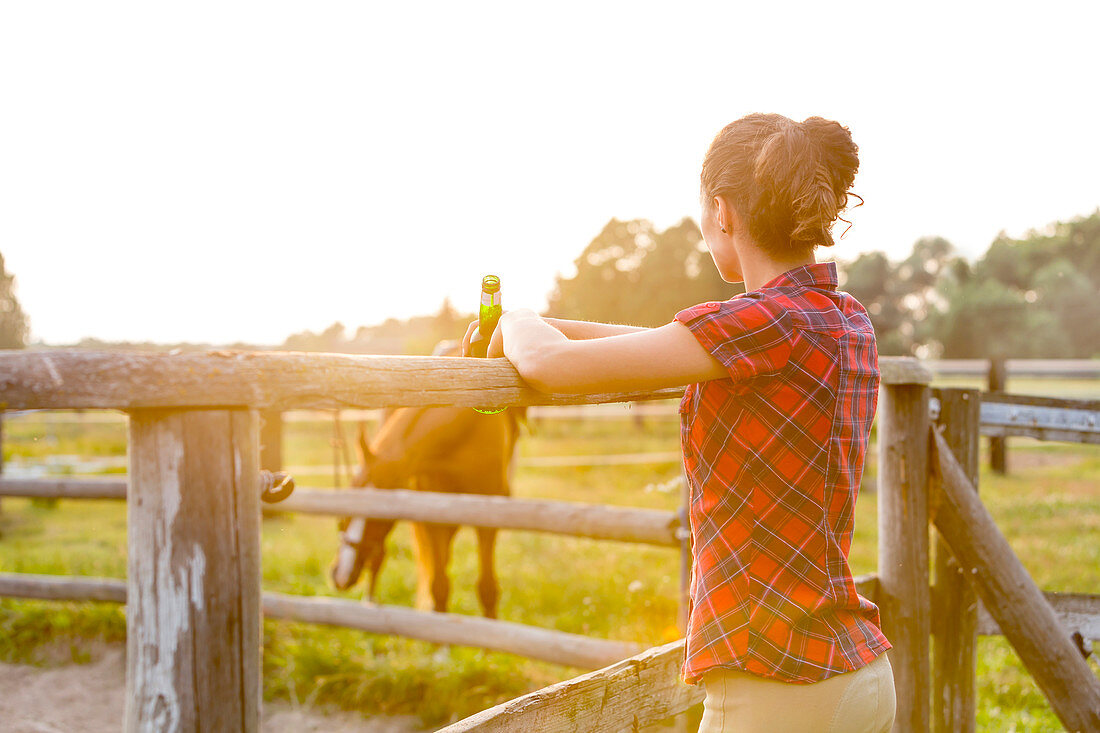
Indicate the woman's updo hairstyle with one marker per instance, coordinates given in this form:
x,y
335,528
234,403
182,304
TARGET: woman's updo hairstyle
x,y
787,180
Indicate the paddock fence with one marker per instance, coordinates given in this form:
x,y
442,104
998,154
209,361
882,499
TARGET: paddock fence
x,y
193,564
928,468
192,588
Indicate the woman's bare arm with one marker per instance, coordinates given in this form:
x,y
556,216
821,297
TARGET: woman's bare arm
x,y
638,360
578,330
582,330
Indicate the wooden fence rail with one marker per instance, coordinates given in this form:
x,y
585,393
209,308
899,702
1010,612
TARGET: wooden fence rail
x,y
270,380
628,695
63,488
559,647
1038,368
1078,612
288,381
1042,418
594,521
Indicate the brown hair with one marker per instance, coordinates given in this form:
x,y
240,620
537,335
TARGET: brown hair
x,y
787,180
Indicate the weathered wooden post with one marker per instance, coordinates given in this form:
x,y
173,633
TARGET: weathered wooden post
x,y
193,589
954,602
903,536
1020,609
998,379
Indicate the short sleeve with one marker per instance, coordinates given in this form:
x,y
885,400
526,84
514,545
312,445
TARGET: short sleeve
x,y
748,334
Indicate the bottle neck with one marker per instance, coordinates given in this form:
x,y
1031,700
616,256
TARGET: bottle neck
x,y
490,299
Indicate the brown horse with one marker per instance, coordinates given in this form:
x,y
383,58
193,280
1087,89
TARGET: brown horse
x,y
440,449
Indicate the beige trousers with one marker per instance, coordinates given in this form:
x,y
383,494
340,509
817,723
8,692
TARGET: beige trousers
x,y
862,701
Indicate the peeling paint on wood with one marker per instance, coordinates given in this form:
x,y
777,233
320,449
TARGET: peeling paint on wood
x,y
193,627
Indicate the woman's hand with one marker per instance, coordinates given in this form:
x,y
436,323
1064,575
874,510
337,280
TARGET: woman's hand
x,y
496,343
465,351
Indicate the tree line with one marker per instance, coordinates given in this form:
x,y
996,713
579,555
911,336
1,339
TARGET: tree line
x,y
1035,296
1032,297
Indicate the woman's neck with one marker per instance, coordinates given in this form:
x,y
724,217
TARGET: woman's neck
x,y
759,269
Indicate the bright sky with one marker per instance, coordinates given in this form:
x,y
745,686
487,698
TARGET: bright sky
x,y
221,171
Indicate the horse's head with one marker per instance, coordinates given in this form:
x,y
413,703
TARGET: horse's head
x,y
362,540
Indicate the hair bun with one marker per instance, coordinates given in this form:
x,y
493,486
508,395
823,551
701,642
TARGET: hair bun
x,y
834,143
789,180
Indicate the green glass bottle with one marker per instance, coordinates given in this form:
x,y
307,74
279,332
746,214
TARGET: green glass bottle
x,y
487,317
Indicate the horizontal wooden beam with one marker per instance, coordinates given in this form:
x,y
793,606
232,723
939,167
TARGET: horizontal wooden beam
x,y
595,521
63,488
73,379
564,461
558,647
62,588
1041,368
1042,418
627,695
269,380
1076,611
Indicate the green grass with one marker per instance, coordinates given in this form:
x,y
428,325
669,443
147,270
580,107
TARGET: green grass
x,y
1051,515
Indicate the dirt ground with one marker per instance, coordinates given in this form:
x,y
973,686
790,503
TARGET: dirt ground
x,y
91,698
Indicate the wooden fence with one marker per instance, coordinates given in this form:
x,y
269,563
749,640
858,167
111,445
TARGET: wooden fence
x,y
927,473
192,590
193,587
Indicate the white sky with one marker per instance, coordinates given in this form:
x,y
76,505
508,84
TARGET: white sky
x,y
220,171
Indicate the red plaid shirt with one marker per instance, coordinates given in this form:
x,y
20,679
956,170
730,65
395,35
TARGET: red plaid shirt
x,y
774,456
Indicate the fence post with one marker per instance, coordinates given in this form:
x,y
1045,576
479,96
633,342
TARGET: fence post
x,y
998,378
954,602
903,541
193,588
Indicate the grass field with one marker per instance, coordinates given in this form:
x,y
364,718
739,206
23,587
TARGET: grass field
x,y
1048,506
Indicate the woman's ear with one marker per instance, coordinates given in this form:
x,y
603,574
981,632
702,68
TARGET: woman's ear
x,y
726,216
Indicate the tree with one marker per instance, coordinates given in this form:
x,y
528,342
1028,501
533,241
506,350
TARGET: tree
x,y
448,323
1035,296
987,317
1069,297
872,280
900,298
631,273
14,327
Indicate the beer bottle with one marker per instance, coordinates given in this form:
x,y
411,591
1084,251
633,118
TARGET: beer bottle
x,y
487,317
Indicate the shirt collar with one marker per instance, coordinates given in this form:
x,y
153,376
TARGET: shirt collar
x,y
818,275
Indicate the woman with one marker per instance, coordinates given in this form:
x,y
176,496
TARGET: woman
x,y
783,384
